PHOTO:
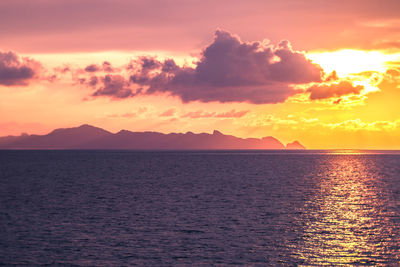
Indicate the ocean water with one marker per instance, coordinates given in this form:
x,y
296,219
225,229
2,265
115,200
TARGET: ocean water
x,y
253,208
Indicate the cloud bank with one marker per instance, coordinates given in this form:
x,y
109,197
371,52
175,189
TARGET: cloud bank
x,y
230,70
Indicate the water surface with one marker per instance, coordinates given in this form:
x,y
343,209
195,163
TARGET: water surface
x,y
113,208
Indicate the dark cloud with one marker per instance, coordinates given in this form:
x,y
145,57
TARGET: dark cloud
x,y
115,86
323,91
106,67
202,114
142,69
92,68
15,70
93,81
230,71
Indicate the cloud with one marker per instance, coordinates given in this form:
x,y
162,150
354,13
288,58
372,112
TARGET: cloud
x,y
93,81
198,114
230,62
115,86
106,67
139,112
230,70
15,70
64,69
232,114
92,68
168,113
390,81
393,72
124,115
202,114
392,77
323,91
358,124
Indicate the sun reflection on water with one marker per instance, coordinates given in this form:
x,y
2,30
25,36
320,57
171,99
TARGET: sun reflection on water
x,y
349,220
355,152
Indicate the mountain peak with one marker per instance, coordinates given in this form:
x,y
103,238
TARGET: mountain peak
x,y
123,131
215,132
86,126
295,145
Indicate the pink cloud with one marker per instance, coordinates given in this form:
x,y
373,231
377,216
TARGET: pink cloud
x,y
168,113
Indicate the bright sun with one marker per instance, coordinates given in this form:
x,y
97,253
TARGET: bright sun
x,y
347,61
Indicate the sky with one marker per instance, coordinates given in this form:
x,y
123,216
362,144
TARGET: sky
x,y
324,72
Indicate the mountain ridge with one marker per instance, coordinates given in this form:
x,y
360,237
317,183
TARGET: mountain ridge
x,y
90,137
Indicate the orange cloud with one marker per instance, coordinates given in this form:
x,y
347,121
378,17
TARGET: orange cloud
x,y
323,91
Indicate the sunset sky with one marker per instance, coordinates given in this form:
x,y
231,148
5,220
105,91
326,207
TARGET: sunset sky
x,y
326,73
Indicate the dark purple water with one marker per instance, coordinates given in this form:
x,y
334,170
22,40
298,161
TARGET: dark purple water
x,y
199,208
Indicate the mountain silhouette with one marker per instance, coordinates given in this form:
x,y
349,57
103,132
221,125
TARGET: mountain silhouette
x,y
295,145
90,137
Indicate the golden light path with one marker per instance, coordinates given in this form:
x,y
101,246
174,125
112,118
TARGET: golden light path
x,y
347,221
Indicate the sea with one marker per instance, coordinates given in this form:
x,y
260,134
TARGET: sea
x,y
199,208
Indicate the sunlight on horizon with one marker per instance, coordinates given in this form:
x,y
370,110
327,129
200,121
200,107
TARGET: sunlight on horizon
x,y
348,61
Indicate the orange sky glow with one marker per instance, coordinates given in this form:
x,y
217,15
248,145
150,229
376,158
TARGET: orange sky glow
x,y
295,70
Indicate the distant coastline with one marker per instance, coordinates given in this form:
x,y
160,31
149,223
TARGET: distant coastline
x,y
90,137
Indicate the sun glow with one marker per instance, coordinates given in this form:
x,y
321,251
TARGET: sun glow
x,y
346,62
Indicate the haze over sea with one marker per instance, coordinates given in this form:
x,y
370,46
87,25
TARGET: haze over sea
x,y
156,208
